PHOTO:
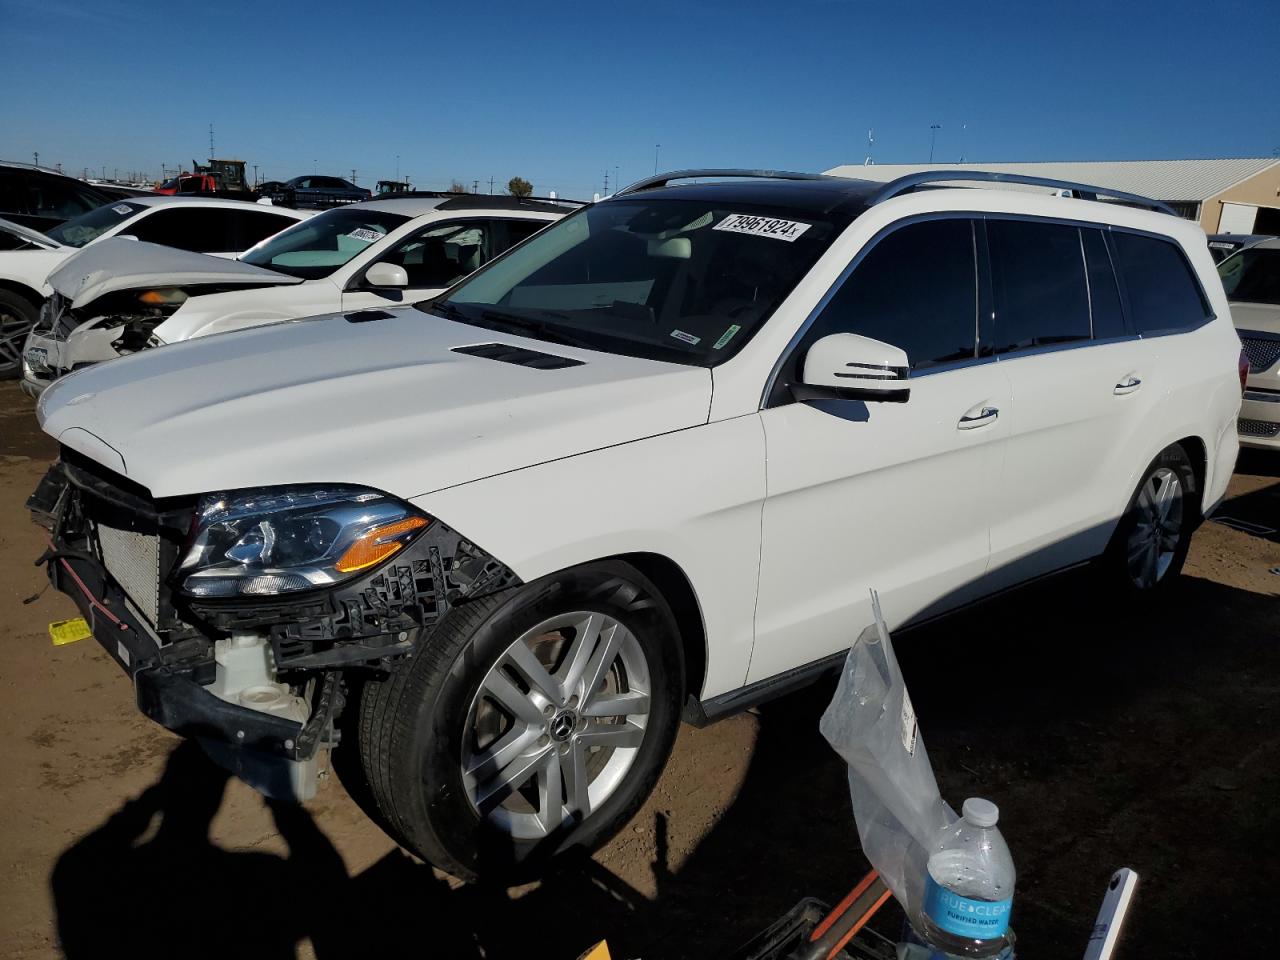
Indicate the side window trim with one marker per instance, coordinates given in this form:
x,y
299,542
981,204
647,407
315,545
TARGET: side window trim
x,y
775,393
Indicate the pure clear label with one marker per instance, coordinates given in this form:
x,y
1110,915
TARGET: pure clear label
x,y
770,227
975,919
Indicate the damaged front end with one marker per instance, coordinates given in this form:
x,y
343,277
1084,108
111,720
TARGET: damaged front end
x,y
114,325
240,616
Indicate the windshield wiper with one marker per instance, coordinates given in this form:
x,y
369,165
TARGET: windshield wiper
x,y
489,317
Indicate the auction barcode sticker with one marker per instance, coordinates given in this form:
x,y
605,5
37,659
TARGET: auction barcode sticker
x,y
908,725
368,236
762,226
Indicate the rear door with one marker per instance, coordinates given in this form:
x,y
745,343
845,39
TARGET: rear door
x,y
1081,390
890,496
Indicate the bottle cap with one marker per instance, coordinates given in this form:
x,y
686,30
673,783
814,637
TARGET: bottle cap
x,y
981,813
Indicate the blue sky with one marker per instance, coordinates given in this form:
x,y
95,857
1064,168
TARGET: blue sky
x,y
470,91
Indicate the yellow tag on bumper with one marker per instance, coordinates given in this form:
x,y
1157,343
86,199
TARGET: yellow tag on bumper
x,y
62,632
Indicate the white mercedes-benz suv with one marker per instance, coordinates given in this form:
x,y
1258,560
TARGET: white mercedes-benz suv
x,y
645,465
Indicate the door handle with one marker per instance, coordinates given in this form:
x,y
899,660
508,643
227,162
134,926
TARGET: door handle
x,y
1128,385
978,417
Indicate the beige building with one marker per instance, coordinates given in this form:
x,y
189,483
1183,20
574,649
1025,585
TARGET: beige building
x,y
1225,196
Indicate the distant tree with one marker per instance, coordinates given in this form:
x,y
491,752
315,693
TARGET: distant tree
x,y
458,187
519,187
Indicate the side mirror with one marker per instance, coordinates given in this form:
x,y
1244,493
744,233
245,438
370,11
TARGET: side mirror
x,y
846,366
386,275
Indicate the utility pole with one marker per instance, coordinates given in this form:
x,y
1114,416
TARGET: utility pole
x,y
491,186
656,148
212,154
933,136
397,166
475,186
353,175
255,176
606,181
36,157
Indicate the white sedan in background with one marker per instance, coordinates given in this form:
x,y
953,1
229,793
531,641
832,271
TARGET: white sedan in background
x,y
27,257
120,297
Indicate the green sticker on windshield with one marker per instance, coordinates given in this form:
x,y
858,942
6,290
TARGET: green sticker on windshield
x,y
726,336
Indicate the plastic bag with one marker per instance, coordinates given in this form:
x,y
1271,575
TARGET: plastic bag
x,y
872,725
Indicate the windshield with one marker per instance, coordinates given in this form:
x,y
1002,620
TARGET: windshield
x,y
90,226
1252,276
679,280
317,247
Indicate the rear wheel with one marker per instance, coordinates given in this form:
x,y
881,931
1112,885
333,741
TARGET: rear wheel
x,y
1151,542
526,724
17,317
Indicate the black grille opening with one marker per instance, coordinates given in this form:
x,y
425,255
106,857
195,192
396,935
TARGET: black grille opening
x,y
1263,429
506,353
1262,352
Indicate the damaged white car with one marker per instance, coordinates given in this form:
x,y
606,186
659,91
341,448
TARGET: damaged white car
x,y
645,466
119,297
223,228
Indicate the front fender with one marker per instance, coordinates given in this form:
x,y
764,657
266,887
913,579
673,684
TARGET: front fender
x,y
693,496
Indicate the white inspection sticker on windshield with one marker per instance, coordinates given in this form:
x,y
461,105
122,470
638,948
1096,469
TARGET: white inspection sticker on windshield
x,y
368,236
123,209
762,226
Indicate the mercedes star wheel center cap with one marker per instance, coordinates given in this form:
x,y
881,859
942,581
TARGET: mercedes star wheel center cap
x,y
562,726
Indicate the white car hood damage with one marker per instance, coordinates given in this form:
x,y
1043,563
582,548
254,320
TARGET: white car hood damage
x,y
119,264
386,404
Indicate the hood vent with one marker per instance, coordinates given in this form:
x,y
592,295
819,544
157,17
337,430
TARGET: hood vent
x,y
506,353
364,316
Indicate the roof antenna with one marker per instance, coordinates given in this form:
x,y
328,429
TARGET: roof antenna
x,y
869,162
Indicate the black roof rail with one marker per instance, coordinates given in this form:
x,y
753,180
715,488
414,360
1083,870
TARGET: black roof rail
x,y
1084,191
662,179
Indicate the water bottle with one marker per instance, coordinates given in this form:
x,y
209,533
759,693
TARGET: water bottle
x,y
969,887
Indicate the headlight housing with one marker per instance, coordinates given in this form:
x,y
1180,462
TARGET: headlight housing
x,y
282,539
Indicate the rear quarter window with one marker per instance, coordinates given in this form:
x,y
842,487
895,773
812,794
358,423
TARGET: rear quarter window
x,y
1163,293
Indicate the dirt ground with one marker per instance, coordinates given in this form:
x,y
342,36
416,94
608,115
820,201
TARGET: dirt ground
x,y
1108,738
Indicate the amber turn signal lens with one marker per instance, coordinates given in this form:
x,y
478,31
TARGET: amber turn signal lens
x,y
167,296
378,544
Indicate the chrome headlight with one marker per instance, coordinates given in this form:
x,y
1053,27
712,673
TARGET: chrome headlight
x,y
281,539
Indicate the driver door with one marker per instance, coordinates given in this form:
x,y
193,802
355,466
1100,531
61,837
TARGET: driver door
x,y
891,496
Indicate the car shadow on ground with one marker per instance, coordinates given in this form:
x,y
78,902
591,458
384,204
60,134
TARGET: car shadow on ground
x,y
1109,737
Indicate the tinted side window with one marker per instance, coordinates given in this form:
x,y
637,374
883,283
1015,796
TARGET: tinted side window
x,y
204,231
916,289
518,230
1104,296
1162,291
1038,281
250,226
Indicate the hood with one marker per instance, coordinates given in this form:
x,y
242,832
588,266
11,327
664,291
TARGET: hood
x,y
386,403
1256,316
31,236
119,264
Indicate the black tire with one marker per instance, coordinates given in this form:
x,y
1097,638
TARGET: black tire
x,y
17,317
1114,566
412,725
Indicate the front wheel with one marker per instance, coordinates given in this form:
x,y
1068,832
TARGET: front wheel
x,y
527,723
1151,542
17,317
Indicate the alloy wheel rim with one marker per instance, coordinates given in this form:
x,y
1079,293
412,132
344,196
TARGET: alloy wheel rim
x,y
556,724
13,333
1158,530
